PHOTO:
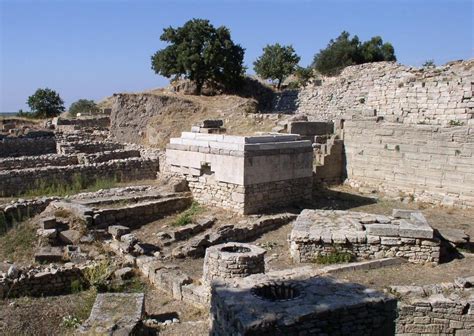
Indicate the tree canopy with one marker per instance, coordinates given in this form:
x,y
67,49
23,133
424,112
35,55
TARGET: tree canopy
x,y
276,63
345,51
201,53
83,106
46,103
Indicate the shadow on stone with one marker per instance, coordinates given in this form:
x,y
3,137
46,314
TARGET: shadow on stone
x,y
275,305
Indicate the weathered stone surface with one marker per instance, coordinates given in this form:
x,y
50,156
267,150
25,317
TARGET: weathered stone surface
x,y
115,314
321,232
48,223
49,254
244,307
455,236
118,231
71,237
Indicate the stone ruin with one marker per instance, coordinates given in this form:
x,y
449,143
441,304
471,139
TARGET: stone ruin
x,y
406,234
247,174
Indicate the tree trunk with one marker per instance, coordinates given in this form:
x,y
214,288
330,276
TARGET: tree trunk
x,y
279,84
199,85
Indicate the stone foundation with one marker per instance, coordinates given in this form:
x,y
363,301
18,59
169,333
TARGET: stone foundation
x,y
364,236
25,146
250,199
232,260
273,305
441,309
42,282
244,174
16,182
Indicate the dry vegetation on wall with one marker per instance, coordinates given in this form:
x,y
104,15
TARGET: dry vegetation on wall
x,y
152,118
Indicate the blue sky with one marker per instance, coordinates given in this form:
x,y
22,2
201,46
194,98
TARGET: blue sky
x,y
93,48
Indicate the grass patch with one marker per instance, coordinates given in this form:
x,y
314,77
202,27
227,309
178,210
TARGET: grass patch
x,y
99,275
78,184
18,243
188,215
335,257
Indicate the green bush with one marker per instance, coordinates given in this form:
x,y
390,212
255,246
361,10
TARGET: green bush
x,y
335,257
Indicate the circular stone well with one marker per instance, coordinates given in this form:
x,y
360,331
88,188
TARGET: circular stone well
x,y
277,291
232,260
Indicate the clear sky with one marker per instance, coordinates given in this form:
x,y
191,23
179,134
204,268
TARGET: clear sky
x,y
93,48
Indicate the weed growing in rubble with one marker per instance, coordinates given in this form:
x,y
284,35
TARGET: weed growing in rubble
x,y
71,322
335,257
187,216
98,276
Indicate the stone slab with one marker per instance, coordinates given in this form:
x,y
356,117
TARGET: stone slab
x,y
115,314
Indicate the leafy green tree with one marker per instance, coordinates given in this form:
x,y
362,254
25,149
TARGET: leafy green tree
x,y
46,103
276,63
83,106
303,75
345,51
201,53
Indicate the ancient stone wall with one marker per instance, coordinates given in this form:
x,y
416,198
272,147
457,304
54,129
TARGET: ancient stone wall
x,y
15,182
74,147
440,309
23,162
318,233
118,154
21,209
398,93
429,163
21,146
251,198
42,282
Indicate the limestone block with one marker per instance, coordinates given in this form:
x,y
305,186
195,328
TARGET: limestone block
x,y
413,230
118,231
388,230
71,237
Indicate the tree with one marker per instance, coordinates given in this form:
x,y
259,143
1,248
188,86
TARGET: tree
x,y
201,53
303,75
276,63
345,51
429,64
46,103
83,106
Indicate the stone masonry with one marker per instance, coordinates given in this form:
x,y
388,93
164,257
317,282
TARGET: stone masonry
x,y
429,163
406,234
399,93
244,174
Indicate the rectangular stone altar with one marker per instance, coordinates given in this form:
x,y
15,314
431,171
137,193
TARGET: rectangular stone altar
x,y
244,173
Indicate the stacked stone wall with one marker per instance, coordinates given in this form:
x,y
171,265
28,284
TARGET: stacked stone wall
x,y
251,198
440,309
140,213
42,283
396,92
18,211
429,163
16,182
414,250
25,146
87,147
118,154
23,162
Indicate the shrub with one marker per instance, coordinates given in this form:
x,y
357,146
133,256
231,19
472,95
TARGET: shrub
x,y
98,276
71,322
335,257
188,215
